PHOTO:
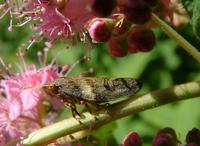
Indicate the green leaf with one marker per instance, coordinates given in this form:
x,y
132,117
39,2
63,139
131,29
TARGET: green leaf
x,y
188,5
196,18
193,9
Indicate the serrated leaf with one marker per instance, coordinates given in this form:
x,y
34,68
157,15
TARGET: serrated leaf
x,y
196,18
188,5
193,9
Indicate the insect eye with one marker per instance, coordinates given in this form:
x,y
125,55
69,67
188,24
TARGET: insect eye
x,y
51,90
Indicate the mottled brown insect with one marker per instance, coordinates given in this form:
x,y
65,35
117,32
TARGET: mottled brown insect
x,y
84,90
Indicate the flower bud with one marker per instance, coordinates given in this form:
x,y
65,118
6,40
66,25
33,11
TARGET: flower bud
x,y
140,39
118,46
132,139
168,130
163,140
137,11
193,136
103,8
165,137
100,29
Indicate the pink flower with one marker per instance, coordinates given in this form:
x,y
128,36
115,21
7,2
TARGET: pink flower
x,y
21,97
2,138
60,19
12,130
54,25
24,89
78,12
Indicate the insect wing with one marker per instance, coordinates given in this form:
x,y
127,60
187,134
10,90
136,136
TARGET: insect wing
x,y
93,89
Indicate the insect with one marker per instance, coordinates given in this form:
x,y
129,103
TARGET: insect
x,y
91,90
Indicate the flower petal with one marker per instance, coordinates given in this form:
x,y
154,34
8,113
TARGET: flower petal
x,y
29,99
15,108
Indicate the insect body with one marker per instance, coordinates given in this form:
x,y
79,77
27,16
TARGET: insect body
x,y
91,90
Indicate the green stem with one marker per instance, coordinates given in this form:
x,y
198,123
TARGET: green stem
x,y
73,137
176,37
125,108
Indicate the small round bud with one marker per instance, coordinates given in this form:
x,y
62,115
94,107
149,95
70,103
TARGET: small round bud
x,y
141,40
193,136
103,8
163,140
132,139
168,130
100,29
118,46
137,11
165,137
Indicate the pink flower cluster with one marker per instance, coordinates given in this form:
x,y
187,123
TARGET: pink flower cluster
x,y
24,89
59,19
21,98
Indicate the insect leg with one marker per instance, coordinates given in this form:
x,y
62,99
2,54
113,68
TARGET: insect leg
x,y
88,107
74,111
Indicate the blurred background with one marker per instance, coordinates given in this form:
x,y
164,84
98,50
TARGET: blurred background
x,y
165,66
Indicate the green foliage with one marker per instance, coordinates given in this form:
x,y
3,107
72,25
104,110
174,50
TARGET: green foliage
x,y
196,18
188,5
193,9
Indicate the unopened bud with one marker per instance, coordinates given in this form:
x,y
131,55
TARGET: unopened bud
x,y
118,46
193,136
165,137
141,40
100,29
137,11
132,139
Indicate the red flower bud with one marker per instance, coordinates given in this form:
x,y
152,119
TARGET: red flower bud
x,y
165,137
100,29
132,139
193,136
137,11
140,40
118,46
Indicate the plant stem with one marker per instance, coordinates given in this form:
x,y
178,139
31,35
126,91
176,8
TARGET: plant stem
x,y
125,108
73,137
176,37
